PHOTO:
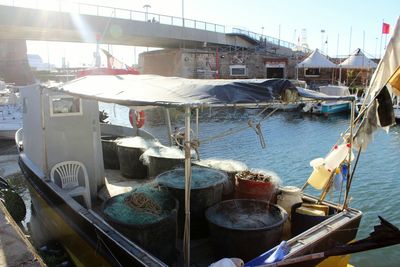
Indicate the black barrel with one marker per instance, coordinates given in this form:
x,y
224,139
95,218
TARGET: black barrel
x,y
161,159
230,167
206,190
245,228
129,151
156,233
110,152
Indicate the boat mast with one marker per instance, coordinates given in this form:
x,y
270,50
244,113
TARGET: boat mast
x,y
188,178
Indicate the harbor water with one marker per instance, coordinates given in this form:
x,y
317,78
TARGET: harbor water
x,y
292,141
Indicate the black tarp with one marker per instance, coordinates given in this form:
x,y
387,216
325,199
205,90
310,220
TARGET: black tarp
x,y
152,90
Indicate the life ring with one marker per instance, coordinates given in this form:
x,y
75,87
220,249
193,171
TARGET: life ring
x,y
139,118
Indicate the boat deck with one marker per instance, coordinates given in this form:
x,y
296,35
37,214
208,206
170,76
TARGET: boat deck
x,y
116,184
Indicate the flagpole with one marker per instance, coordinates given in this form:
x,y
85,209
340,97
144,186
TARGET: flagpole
x,y
380,48
337,56
363,48
385,40
351,30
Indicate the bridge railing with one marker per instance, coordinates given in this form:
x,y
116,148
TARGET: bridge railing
x,y
269,39
104,11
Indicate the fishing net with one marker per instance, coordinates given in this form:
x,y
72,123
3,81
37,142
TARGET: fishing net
x,y
201,178
143,205
244,214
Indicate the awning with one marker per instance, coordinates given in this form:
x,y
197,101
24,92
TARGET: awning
x,y
153,90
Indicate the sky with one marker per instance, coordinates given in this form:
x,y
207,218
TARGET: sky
x,y
335,27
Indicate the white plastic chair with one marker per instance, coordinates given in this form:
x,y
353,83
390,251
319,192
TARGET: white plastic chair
x,y
68,172
19,139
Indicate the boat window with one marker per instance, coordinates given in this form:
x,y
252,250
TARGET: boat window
x,y
65,106
312,72
238,70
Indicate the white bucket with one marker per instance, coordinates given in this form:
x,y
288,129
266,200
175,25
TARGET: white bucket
x,y
290,195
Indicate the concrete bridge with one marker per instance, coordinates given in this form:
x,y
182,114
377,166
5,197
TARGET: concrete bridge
x,y
79,22
122,27
87,23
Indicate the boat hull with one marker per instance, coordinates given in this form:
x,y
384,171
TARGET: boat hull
x,y
396,110
335,108
7,134
88,240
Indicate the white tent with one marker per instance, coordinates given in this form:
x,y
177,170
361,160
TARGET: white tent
x,y
316,60
358,60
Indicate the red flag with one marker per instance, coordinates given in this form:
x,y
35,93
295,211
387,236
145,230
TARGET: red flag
x,y
385,28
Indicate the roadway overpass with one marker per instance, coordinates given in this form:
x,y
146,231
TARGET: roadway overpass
x,y
18,23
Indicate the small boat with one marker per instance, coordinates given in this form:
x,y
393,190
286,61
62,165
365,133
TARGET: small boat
x,y
114,67
96,198
330,107
10,112
396,108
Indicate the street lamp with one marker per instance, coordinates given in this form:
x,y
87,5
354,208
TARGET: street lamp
x,y
296,51
322,40
262,30
146,7
183,13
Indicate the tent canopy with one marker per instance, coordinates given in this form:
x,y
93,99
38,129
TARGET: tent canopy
x,y
316,60
357,60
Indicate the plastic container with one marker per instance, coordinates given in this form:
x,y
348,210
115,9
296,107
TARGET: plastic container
x,y
159,165
155,233
110,152
251,189
129,151
288,196
302,222
206,191
230,167
319,177
336,156
245,228
160,159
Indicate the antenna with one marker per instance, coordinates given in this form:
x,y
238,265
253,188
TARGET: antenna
x,y
303,39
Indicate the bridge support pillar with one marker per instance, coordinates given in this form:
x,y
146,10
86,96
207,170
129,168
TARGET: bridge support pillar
x,y
14,65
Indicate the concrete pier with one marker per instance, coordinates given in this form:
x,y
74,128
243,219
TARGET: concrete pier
x,y
15,248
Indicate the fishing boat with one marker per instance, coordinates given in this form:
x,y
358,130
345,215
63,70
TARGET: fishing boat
x,y
114,67
62,138
330,107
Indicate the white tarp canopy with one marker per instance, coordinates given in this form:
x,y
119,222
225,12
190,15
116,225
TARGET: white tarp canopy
x,y
316,60
335,90
358,60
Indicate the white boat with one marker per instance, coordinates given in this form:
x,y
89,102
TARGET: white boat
x,y
396,108
331,106
10,112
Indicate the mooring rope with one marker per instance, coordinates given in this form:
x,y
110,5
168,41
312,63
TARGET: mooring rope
x,y
237,130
